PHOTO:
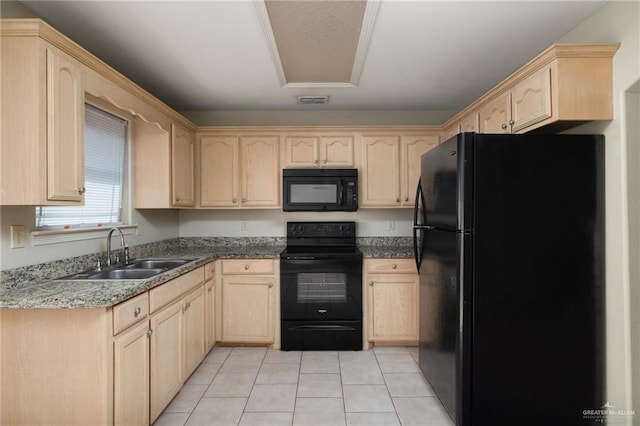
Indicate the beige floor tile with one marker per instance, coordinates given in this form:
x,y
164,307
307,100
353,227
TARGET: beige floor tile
x,y
275,356
319,412
270,398
231,385
319,362
365,373
249,351
390,350
278,374
407,384
241,364
422,411
320,386
172,419
357,357
266,419
217,355
187,399
372,419
217,411
397,363
367,399
204,374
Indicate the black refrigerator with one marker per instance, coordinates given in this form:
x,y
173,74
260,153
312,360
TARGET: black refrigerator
x,y
509,245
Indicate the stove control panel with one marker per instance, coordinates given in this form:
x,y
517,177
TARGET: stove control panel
x,y
321,229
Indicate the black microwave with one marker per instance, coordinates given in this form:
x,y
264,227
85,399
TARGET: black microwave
x,y
316,190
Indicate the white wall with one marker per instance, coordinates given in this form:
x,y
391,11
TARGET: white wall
x,y
272,223
618,22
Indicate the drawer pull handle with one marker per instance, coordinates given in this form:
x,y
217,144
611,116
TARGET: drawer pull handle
x,y
394,266
246,267
137,311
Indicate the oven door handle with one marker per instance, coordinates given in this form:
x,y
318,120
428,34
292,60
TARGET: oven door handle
x,y
323,327
300,258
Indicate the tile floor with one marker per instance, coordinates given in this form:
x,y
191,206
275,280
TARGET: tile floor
x,y
259,386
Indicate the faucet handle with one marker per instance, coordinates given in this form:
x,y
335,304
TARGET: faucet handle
x,y
98,265
125,249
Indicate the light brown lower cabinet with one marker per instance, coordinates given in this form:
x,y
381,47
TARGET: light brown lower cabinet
x,y
131,376
392,301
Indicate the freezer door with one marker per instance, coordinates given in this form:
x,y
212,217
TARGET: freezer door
x,y
445,294
446,178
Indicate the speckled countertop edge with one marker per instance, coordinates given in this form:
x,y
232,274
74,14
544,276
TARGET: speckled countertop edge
x,y
75,294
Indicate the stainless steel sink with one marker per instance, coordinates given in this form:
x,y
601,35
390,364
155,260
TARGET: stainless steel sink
x,y
138,270
125,274
157,263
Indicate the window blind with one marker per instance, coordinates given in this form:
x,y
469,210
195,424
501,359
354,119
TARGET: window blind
x,y
104,164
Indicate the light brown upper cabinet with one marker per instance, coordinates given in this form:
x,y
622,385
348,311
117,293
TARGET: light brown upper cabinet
x,y
42,124
238,171
528,103
391,167
318,151
182,166
563,86
163,166
412,148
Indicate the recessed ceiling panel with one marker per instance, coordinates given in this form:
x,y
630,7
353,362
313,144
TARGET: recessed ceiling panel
x,y
317,41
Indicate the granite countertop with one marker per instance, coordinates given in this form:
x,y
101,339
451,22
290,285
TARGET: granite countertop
x,y
72,294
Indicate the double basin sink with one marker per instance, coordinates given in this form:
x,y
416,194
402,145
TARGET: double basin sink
x,y
137,269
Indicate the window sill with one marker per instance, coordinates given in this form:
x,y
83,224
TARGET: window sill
x,y
40,238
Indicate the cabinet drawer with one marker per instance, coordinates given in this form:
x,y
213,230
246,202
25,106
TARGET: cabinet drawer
x,y
171,290
209,270
249,266
390,266
130,312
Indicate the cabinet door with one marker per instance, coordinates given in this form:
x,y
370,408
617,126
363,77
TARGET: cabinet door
x,y
259,171
219,171
393,308
131,377
248,309
471,123
412,149
495,116
380,174
182,167
165,357
193,332
531,100
65,129
301,151
336,151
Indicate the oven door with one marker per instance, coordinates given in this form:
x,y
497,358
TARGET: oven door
x,y
321,288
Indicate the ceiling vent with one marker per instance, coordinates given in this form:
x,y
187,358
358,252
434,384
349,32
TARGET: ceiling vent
x,y
313,100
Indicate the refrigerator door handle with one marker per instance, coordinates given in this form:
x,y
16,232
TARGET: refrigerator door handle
x,y
416,205
416,252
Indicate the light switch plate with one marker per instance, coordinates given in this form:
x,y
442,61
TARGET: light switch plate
x,y
244,225
17,236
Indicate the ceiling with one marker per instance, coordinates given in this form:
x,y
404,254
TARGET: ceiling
x,y
215,55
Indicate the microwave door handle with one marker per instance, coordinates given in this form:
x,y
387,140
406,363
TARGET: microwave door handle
x,y
340,194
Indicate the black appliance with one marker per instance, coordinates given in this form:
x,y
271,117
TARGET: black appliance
x,y
320,190
321,287
509,239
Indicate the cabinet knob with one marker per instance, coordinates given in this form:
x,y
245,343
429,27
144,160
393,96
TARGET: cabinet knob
x,y
235,200
149,332
324,161
397,200
177,199
246,267
270,285
394,266
82,190
504,126
209,289
406,199
244,200
137,311
315,161
511,122
371,283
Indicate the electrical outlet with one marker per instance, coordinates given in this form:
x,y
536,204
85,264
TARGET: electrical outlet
x,y
391,225
17,236
244,225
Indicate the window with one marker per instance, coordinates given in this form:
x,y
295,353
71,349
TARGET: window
x,y
104,168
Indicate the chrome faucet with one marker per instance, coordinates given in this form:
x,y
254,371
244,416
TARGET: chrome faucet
x,y
125,247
